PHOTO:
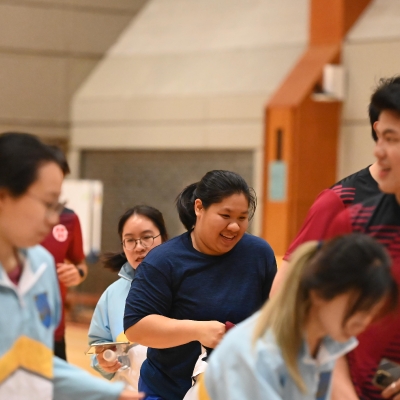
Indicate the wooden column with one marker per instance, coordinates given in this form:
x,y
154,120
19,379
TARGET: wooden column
x,y
301,134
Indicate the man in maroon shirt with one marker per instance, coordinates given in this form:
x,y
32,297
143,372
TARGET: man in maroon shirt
x,y
64,242
378,217
350,190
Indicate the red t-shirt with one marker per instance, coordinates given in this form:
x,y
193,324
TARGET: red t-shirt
x,y
378,217
65,243
351,190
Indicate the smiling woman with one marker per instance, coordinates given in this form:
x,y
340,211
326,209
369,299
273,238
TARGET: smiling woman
x,y
188,288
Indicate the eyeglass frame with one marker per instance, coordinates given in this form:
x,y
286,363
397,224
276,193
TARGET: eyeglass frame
x,y
55,208
140,241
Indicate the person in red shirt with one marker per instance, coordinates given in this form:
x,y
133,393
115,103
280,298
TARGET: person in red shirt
x,y
64,242
350,190
378,217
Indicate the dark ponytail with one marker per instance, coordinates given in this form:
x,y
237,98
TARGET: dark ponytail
x,y
114,261
213,188
185,206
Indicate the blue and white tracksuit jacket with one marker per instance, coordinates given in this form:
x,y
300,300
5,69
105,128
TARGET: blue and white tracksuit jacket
x,y
239,369
107,325
30,312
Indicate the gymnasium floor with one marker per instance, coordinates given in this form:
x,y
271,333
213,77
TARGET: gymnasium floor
x,y
76,338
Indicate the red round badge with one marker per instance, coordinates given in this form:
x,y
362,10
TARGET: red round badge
x,y
60,233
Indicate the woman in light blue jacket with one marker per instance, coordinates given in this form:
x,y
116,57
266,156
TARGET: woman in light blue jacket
x,y
140,229
30,185
287,351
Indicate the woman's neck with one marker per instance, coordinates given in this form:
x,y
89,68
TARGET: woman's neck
x,y
314,333
8,255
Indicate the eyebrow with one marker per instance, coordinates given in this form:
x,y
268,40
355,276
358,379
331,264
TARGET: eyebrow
x,y
141,233
227,209
390,130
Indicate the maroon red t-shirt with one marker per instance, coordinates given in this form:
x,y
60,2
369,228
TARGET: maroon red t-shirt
x,y
64,242
378,217
351,190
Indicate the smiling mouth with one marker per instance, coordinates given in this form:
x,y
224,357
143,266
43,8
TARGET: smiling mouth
x,y
228,237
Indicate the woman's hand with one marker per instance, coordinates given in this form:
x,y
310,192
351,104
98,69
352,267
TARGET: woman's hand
x,y
107,366
128,395
210,333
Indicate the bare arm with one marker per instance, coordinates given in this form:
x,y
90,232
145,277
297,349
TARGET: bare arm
x,y
279,278
342,386
161,332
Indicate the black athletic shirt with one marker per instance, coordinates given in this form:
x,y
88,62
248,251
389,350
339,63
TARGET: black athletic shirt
x,y
378,217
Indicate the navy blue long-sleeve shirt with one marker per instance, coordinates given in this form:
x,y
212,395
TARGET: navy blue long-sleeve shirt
x,y
179,282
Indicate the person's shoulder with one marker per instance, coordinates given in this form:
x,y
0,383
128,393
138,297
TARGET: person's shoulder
x,y
166,249
119,288
255,242
352,179
38,254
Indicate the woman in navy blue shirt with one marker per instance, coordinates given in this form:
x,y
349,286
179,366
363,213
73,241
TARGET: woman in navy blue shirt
x,y
187,288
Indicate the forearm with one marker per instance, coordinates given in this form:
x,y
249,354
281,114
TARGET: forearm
x,y
342,386
161,332
279,278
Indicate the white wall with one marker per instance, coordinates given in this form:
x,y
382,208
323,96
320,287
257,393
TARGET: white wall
x,y
371,51
189,74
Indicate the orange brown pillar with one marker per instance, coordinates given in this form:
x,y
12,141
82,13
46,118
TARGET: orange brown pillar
x,y
301,134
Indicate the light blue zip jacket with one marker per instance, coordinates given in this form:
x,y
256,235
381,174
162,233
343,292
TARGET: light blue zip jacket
x,y
238,371
30,312
107,321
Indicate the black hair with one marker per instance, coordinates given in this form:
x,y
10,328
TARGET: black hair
x,y
115,261
21,155
214,186
352,262
385,97
62,160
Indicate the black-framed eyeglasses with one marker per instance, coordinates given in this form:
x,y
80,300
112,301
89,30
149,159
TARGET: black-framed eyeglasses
x,y
145,241
51,208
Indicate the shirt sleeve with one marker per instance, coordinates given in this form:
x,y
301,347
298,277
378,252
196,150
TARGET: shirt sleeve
x,y
325,208
340,225
99,331
150,293
71,382
75,251
241,381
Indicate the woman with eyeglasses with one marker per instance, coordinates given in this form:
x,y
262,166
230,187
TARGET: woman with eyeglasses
x,y
140,229
30,185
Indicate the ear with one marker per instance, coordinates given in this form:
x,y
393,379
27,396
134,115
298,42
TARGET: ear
x,y
375,125
198,207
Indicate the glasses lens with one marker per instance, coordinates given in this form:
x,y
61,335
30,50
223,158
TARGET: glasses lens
x,y
147,241
129,244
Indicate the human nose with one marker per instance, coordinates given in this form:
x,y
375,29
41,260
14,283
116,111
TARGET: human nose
x,y
379,151
139,245
53,218
233,226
